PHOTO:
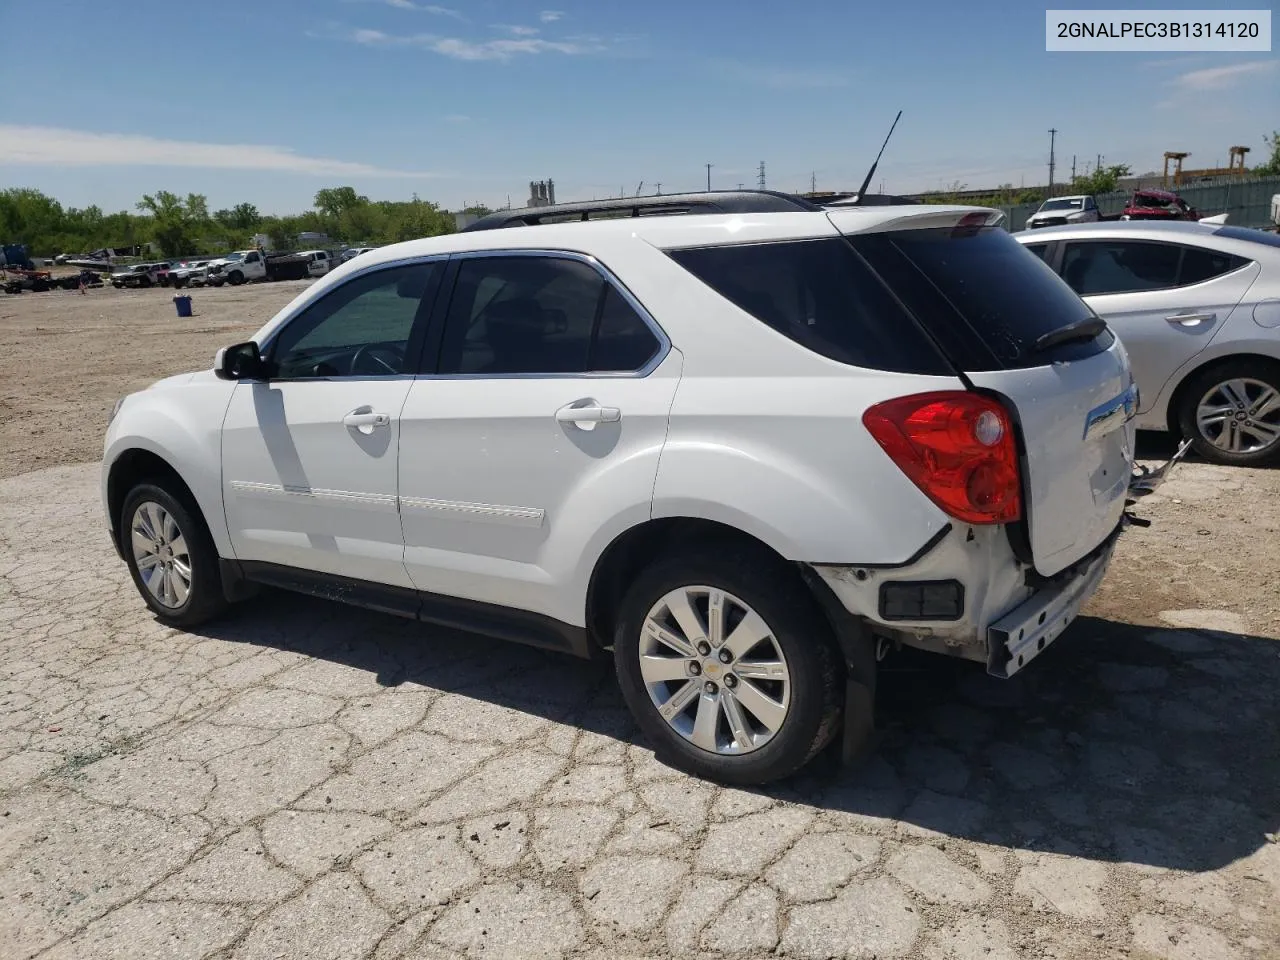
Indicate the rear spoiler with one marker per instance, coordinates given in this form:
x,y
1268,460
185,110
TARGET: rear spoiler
x,y
925,217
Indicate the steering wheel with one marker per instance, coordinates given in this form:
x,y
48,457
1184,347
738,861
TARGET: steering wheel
x,y
389,358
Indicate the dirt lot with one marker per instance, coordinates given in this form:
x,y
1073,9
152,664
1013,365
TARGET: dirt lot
x,y
306,780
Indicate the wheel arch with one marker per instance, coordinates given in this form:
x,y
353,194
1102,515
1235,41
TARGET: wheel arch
x,y
1178,396
639,545
137,465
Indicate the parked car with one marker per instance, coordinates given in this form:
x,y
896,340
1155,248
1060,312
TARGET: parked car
x,y
353,252
1197,306
189,273
744,451
318,262
237,267
1158,205
141,275
1059,210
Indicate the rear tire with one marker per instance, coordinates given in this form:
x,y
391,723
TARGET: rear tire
x,y
171,555
737,746
1230,410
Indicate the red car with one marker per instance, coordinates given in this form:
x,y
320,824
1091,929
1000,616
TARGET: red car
x,y
1158,205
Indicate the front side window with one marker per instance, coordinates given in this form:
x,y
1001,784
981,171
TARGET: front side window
x,y
361,329
541,315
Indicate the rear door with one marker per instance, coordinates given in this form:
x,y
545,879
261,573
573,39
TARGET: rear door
x,y
540,430
989,303
1166,301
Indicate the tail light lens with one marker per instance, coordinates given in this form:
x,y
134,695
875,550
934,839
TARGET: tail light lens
x,y
958,448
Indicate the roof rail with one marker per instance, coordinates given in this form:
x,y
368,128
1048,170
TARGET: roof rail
x,y
715,201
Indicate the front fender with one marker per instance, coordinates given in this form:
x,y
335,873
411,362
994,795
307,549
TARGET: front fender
x,y
183,427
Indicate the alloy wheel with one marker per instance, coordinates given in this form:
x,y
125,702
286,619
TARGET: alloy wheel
x,y
1241,415
161,554
714,671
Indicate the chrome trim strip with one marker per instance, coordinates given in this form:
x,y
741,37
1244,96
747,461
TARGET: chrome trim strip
x,y
462,510
251,488
1106,417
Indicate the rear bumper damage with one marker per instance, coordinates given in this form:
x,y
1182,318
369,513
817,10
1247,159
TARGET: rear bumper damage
x,y
969,596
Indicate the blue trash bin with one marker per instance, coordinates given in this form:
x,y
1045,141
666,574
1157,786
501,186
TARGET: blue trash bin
x,y
183,303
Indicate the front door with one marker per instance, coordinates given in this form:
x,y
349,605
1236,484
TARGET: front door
x,y
309,455
1165,301
538,436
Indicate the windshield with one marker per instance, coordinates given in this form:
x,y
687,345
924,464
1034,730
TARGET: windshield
x,y
1150,200
234,256
1064,203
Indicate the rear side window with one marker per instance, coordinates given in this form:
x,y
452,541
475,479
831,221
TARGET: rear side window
x,y
819,294
981,294
1039,249
1097,267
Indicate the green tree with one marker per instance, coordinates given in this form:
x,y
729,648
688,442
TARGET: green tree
x,y
1104,180
332,202
1271,168
176,221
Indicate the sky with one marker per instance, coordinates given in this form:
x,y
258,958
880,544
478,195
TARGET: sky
x,y
466,101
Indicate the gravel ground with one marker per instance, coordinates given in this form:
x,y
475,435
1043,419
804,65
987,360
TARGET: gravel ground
x,y
307,780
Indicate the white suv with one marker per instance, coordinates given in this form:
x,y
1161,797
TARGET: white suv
x,y
746,449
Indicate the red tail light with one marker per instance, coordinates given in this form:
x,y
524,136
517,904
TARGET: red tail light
x,y
958,448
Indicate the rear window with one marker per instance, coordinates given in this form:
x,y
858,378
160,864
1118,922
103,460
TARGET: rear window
x,y
821,295
983,296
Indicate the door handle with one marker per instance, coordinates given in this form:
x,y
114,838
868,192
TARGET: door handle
x,y
587,414
1191,319
365,420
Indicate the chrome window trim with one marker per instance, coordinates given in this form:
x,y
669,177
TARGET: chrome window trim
x,y
265,346
609,277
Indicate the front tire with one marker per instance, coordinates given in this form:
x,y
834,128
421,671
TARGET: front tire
x,y
728,666
235,278
171,556
1231,413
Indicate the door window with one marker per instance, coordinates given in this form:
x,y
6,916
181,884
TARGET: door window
x,y
1120,266
361,329
1133,266
541,315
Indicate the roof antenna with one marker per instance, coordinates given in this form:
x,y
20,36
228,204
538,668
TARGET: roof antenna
x,y
872,172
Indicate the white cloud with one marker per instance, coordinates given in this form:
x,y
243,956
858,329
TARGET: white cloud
x,y
55,146
517,31
782,78
1223,78
422,7
459,49
551,16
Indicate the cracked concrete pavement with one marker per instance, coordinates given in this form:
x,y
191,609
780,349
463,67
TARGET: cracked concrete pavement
x,y
308,780
305,780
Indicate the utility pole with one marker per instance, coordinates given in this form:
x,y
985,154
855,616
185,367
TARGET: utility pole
x,y
1073,168
1053,134
760,179
658,186
813,182
708,178
1098,168
739,186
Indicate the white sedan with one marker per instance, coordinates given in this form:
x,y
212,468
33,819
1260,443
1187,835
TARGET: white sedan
x,y
1197,306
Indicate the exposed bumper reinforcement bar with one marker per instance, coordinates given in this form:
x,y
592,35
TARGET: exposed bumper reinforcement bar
x,y
1026,631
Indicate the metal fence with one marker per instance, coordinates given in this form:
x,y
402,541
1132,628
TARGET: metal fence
x,y
1247,202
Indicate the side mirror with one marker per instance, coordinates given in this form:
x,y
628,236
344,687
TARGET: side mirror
x,y
239,362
